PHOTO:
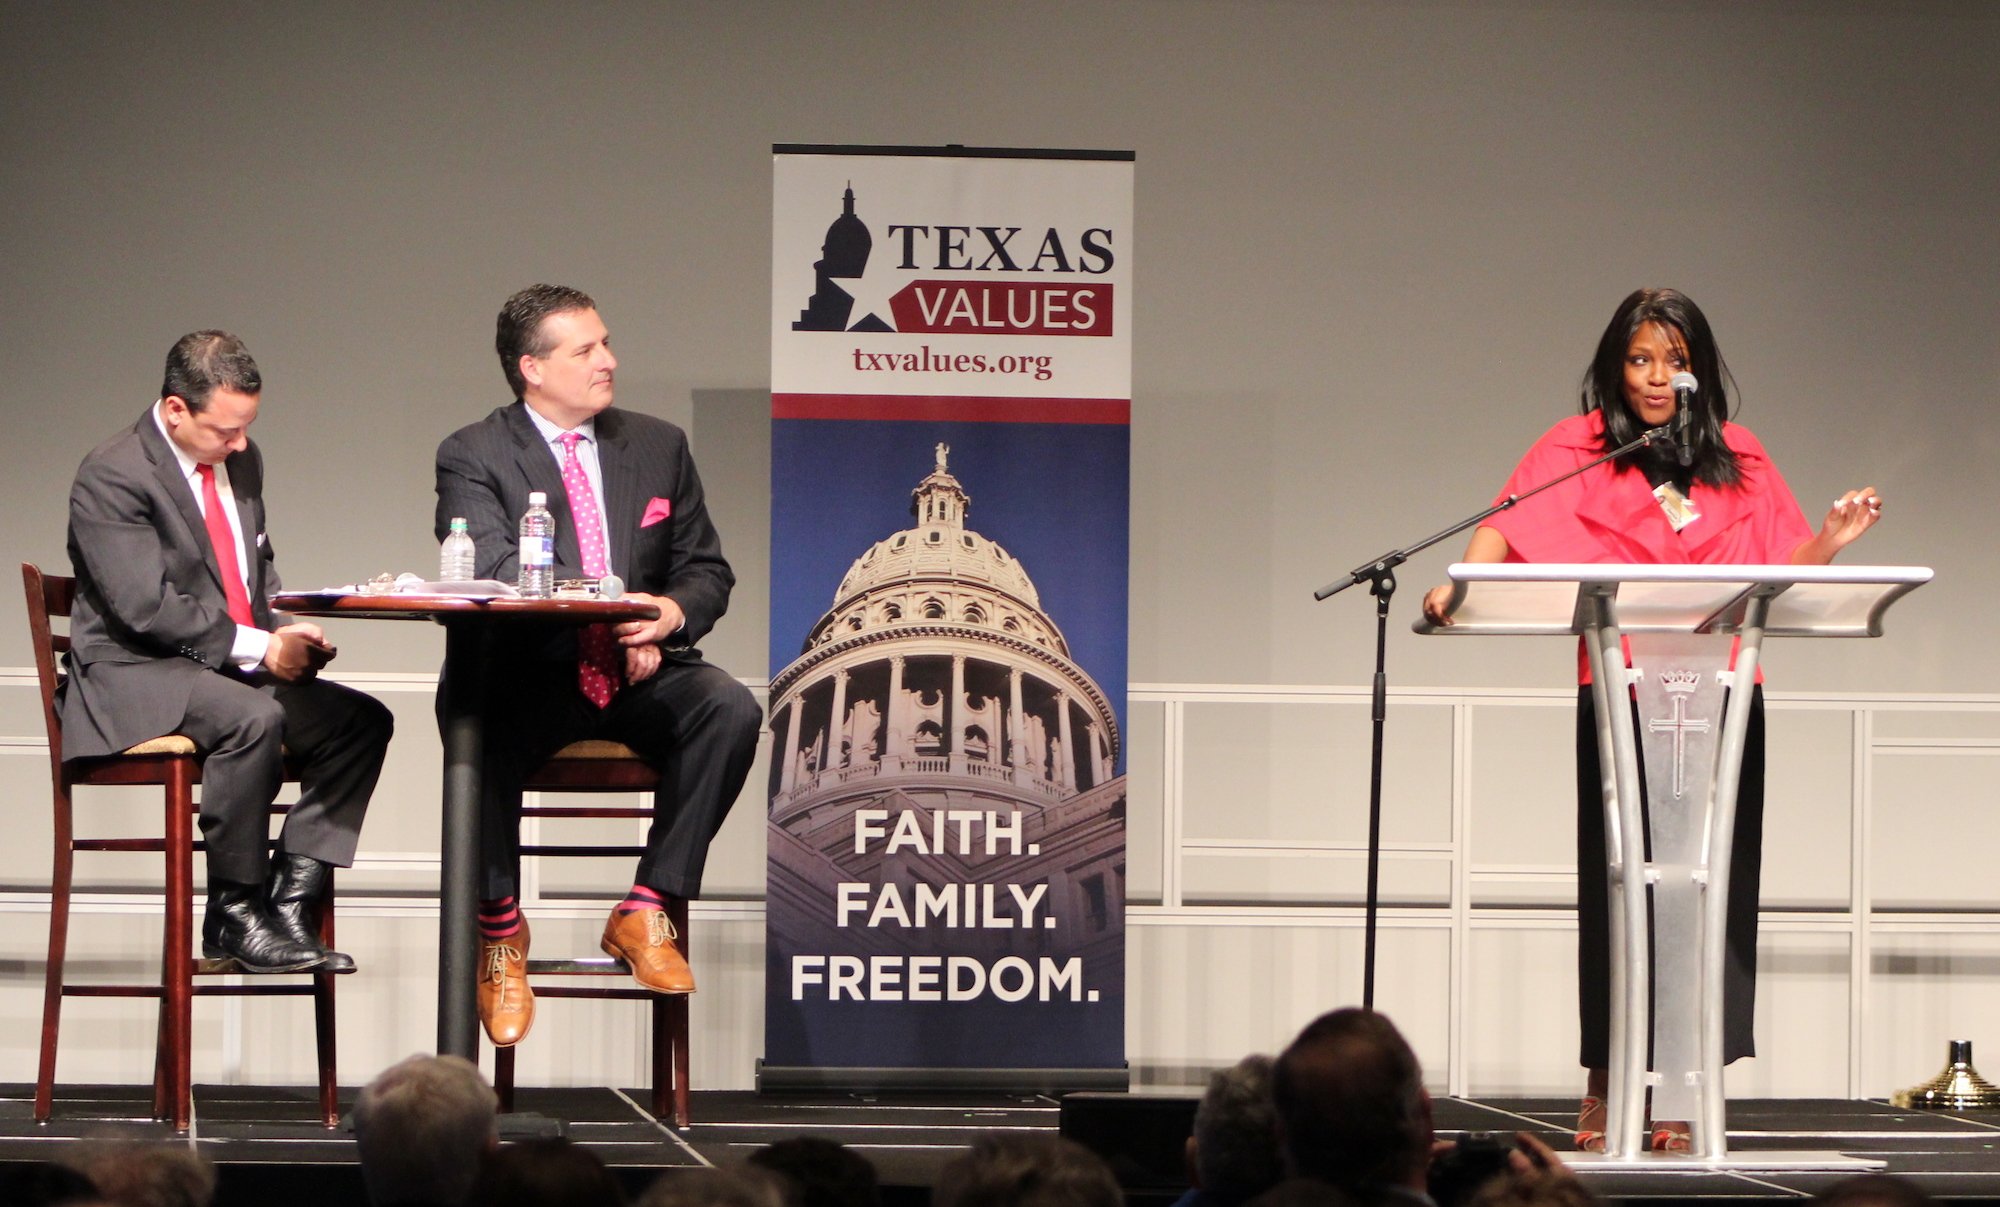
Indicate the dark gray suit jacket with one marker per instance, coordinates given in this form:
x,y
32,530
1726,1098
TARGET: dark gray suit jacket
x,y
485,471
150,614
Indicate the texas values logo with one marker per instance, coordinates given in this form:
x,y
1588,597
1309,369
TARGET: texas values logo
x,y
859,286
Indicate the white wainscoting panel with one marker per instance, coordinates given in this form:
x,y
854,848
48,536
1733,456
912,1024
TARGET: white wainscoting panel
x,y
1881,935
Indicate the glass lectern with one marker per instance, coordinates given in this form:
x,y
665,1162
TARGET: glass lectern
x,y
1679,624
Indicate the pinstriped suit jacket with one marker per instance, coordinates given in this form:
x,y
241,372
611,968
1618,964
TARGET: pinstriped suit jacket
x,y
150,614
486,469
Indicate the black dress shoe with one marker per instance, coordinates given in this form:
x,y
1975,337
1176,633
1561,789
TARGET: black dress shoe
x,y
297,883
237,927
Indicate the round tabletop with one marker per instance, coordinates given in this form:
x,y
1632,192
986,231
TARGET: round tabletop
x,y
369,606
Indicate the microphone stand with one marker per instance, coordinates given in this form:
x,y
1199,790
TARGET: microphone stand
x,y
1380,575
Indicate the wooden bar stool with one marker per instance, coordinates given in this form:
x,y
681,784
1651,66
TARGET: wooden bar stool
x,y
606,767
172,763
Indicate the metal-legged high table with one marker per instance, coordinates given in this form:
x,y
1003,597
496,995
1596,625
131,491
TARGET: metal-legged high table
x,y
468,625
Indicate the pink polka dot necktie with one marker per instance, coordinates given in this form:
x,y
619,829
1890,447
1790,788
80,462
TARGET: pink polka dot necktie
x,y
600,665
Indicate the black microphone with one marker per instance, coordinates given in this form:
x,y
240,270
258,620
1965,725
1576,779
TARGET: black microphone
x,y
1684,386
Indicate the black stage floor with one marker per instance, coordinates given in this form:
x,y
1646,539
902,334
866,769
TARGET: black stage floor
x,y
267,1142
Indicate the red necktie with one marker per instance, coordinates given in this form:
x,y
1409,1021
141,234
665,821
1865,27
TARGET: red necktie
x,y
224,542
600,666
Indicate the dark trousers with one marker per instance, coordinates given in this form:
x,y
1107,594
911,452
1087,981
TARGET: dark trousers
x,y
1593,888
244,724
697,726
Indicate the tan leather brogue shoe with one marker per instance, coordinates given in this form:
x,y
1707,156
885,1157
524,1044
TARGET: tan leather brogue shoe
x,y
645,940
506,1004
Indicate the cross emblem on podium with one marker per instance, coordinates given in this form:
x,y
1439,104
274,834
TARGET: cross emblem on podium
x,y
1678,685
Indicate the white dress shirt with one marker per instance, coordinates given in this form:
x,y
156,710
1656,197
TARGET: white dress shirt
x,y
586,456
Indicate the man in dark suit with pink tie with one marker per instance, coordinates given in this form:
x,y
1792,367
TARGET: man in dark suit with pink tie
x,y
627,501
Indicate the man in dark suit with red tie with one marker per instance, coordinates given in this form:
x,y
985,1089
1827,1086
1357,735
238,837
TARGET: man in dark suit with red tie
x,y
627,501
172,632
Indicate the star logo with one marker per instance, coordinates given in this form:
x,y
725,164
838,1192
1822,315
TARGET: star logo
x,y
871,292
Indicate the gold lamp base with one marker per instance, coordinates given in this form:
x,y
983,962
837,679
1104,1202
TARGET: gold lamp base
x,y
1958,1088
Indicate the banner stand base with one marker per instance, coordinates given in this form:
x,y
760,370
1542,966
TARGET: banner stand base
x,y
785,1079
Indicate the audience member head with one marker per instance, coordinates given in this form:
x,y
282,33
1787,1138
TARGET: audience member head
x,y
150,1175
1024,1170
825,1174
1310,1192
1560,1191
545,1173
202,362
46,1184
1351,1103
1874,1190
520,329
1233,1153
726,1186
422,1126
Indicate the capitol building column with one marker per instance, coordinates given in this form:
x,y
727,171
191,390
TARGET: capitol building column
x,y
788,762
1066,764
1016,734
954,724
898,744
837,739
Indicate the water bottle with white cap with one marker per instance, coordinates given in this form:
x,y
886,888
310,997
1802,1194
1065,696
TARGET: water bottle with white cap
x,y
456,563
538,548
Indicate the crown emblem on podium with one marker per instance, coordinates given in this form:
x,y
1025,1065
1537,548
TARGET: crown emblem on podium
x,y
1680,681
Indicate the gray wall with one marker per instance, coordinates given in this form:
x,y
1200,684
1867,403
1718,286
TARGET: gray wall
x,y
1375,242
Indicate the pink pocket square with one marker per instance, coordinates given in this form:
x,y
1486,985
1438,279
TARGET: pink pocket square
x,y
656,510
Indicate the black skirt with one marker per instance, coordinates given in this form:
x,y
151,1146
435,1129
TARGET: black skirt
x,y
1593,907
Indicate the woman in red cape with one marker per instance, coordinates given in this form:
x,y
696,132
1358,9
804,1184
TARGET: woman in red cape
x,y
1730,505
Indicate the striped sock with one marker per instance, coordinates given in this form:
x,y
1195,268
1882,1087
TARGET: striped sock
x,y
499,919
640,898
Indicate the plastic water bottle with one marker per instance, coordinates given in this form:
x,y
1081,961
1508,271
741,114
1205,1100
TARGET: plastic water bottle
x,y
455,560
538,548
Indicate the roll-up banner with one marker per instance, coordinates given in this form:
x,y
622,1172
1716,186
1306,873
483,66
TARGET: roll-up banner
x,y
951,401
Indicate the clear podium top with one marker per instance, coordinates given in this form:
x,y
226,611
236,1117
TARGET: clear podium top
x,y
1526,599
